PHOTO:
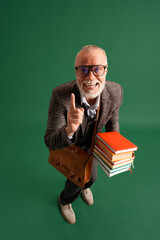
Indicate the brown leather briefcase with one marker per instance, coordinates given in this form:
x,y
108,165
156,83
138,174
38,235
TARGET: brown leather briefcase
x,y
73,163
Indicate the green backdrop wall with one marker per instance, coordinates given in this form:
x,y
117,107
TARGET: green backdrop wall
x,y
39,41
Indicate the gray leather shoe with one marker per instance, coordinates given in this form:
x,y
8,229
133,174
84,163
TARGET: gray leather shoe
x,y
67,212
87,196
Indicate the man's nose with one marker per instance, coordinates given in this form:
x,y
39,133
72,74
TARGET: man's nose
x,y
91,75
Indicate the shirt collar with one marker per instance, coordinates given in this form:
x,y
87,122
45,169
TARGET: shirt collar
x,y
84,101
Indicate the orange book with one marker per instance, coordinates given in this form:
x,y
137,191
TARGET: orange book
x,y
113,157
111,164
116,142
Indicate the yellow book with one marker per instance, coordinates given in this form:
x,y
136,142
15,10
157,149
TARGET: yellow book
x,y
111,164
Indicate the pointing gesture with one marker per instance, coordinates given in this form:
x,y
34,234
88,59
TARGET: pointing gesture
x,y
74,117
72,102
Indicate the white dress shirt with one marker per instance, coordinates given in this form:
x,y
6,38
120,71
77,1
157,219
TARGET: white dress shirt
x,y
91,110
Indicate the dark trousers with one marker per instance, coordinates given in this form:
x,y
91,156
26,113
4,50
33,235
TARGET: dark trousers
x,y
72,191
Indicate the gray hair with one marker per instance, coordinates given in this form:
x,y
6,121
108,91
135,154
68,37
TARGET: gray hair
x,y
92,47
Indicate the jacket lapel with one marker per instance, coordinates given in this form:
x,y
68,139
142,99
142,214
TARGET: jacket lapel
x,y
104,108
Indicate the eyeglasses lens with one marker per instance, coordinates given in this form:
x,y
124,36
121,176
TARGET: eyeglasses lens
x,y
98,70
83,71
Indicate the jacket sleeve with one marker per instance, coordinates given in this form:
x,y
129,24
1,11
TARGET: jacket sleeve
x,y
55,136
113,122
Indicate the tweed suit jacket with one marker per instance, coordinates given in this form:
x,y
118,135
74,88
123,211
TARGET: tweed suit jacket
x,y
55,136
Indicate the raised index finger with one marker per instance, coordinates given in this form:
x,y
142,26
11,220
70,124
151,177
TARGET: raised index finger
x,y
72,102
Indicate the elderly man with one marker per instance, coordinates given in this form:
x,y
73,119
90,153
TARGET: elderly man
x,y
72,113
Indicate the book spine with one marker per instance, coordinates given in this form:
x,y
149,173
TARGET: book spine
x,y
108,168
111,161
107,172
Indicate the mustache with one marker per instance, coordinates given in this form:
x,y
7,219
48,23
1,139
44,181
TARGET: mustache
x,y
90,83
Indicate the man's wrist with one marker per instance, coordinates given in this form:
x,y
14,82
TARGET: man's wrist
x,y
69,134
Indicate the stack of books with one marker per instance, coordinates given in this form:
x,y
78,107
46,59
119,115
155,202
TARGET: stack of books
x,y
114,153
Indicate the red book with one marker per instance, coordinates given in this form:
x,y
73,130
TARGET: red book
x,y
116,142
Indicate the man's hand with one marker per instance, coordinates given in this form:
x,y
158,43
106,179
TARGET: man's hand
x,y
74,117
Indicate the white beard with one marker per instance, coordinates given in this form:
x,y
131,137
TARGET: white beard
x,y
89,94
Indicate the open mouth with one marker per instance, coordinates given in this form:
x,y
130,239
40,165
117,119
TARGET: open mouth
x,y
91,89
90,84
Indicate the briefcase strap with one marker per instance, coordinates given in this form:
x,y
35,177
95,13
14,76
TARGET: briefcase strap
x,y
94,132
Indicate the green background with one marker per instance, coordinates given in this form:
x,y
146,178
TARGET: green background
x,y
38,44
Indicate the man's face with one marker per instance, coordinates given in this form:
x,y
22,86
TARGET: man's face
x,y
91,86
